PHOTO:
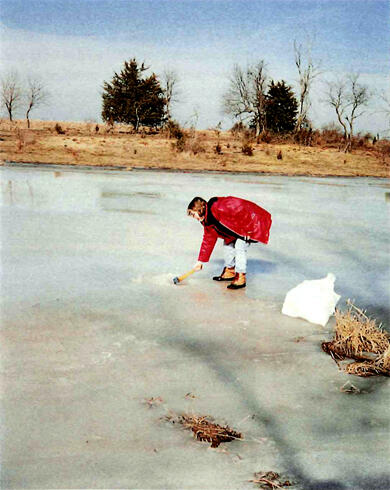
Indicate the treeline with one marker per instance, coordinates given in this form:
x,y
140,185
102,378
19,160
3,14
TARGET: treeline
x,y
265,107
135,99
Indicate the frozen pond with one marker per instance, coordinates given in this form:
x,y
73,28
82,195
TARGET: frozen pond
x,y
93,327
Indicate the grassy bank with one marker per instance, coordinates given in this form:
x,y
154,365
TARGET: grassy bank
x,y
97,145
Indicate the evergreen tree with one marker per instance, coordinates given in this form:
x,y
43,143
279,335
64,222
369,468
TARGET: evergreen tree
x,y
282,108
134,99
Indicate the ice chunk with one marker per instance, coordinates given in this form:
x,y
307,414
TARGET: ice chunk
x,y
313,301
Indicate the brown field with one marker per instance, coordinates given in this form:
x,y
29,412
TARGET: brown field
x,y
81,144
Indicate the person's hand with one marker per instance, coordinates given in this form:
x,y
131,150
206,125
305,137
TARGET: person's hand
x,y
198,266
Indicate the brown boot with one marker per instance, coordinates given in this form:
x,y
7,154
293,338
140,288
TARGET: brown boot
x,y
228,274
239,281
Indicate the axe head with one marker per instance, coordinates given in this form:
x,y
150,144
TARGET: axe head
x,y
176,280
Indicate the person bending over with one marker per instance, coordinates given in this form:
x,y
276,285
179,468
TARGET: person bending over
x,y
239,223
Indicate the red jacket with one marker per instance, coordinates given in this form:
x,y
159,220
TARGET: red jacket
x,y
231,218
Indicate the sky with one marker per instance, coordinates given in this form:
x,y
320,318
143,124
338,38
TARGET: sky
x,y
73,46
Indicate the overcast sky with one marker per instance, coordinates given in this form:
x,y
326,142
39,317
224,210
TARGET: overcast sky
x,y
74,45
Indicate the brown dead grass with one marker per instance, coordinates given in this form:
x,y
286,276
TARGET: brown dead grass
x,y
356,333
204,429
366,369
270,479
383,361
358,337
120,147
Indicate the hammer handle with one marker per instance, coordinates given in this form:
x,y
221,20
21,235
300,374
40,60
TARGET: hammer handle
x,y
184,276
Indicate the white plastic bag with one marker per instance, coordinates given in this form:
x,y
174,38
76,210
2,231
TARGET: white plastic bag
x,y
313,301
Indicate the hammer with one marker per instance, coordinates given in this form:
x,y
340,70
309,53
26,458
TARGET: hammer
x,y
176,280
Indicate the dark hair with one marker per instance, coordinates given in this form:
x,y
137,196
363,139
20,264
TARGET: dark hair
x,y
198,204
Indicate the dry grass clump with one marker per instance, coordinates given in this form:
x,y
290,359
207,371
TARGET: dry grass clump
x,y
247,148
58,129
238,129
204,429
357,333
365,369
270,479
383,361
358,337
380,366
172,129
187,141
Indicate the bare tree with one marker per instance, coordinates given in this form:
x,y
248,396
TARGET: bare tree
x,y
193,119
245,98
307,71
36,95
385,108
386,102
169,85
348,98
11,93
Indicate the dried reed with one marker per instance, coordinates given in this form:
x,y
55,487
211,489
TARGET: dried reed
x,y
270,479
383,361
358,337
363,369
356,333
204,430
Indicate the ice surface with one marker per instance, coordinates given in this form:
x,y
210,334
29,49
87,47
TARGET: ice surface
x,y
92,327
313,301
165,279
